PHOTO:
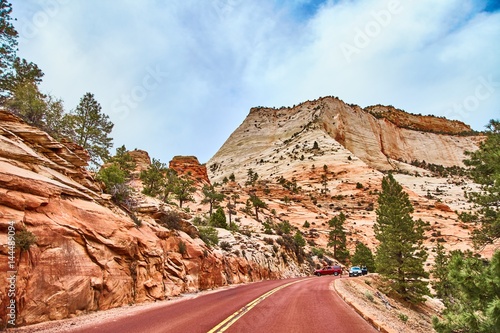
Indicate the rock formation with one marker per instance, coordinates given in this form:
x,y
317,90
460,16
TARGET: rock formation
x,y
324,156
189,166
89,254
380,136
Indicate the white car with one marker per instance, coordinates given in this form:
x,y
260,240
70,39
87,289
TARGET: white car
x,y
355,271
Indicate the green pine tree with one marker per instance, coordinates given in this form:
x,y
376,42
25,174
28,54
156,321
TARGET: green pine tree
x,y
363,256
485,170
211,196
472,299
27,102
473,305
92,129
153,178
257,204
337,238
115,173
400,255
22,72
123,159
218,219
440,281
299,239
252,177
8,43
57,121
184,189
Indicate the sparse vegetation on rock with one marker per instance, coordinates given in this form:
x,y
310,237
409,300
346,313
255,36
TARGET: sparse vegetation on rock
x,y
209,235
25,239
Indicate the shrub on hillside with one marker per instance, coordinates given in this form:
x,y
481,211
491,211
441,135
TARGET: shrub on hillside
x,y
171,220
24,239
209,235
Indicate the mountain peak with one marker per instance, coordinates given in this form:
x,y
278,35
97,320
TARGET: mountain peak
x,y
380,136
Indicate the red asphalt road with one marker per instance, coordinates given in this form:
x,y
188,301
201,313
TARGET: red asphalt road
x,y
304,307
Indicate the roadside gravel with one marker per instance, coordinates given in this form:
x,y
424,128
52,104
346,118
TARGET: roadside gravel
x,y
386,315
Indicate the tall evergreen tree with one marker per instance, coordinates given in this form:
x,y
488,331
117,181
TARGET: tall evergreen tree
x,y
22,73
57,122
170,181
400,254
440,281
473,303
8,43
252,177
14,71
337,238
485,170
363,256
92,129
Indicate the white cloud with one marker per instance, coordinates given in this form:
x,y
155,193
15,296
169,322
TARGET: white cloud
x,y
216,59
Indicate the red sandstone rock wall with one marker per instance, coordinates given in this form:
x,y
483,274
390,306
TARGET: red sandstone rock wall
x,y
89,256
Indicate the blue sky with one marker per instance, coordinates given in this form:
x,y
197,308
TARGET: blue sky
x,y
178,77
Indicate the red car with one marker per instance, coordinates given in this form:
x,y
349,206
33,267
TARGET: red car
x,y
329,270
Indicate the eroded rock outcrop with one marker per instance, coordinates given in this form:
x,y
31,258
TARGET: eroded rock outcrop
x,y
324,157
191,167
89,254
381,136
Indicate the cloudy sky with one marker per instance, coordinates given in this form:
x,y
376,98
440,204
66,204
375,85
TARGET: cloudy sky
x,y
177,77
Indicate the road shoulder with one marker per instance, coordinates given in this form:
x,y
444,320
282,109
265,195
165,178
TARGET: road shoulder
x,y
386,315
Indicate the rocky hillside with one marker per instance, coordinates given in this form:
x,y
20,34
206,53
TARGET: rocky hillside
x,y
308,163
324,157
90,254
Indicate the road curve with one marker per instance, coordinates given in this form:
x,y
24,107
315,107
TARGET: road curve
x,y
293,305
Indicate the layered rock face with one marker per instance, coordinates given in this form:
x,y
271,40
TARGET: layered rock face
x,y
393,135
189,166
324,157
381,136
89,254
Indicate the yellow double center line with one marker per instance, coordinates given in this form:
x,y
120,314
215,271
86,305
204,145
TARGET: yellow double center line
x,y
226,323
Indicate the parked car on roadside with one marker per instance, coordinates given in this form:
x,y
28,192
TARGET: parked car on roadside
x,y
355,271
364,270
329,270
